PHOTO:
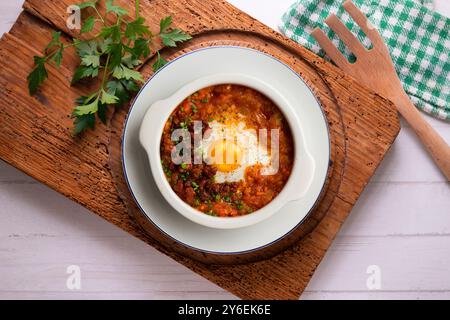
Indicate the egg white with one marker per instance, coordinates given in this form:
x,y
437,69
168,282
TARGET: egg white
x,y
253,153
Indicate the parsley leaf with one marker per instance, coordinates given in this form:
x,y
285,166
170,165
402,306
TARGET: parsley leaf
x,y
112,32
171,38
110,7
91,61
115,50
88,25
101,112
141,48
55,42
58,56
86,47
81,123
122,72
122,89
83,100
119,90
84,72
136,28
89,108
130,85
105,45
38,75
108,98
164,24
159,63
130,61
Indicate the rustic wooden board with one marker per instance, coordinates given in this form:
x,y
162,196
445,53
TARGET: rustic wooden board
x,y
35,134
328,194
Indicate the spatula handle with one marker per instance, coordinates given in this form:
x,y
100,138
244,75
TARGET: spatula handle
x,y
435,144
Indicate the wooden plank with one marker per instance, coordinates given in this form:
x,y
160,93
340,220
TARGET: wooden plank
x,y
108,295
383,210
67,165
376,295
22,260
413,263
401,163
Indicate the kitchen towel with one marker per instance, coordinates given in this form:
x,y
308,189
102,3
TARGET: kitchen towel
x,y
417,38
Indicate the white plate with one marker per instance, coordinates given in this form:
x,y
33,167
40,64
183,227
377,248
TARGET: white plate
x,y
199,64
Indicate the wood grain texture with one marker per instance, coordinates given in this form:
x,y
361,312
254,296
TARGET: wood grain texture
x,y
36,144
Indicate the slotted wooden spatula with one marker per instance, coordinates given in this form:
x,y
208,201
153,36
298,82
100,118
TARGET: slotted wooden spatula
x,y
374,69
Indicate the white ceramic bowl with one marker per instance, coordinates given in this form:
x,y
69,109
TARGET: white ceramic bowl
x,y
296,187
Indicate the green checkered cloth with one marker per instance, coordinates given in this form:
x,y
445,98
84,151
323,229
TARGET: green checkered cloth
x,y
417,37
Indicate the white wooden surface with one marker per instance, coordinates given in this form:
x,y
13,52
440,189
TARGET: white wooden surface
x,y
401,224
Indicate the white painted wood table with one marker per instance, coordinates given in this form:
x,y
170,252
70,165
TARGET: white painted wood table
x,y
401,225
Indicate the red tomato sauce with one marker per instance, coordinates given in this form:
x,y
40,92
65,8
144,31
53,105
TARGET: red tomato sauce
x,y
195,183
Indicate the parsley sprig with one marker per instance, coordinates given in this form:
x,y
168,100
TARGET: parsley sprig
x,y
113,55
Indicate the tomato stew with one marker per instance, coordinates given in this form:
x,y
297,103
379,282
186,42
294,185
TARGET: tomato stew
x,y
196,184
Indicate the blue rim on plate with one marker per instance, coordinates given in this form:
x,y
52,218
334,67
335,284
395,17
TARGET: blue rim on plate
x,y
208,251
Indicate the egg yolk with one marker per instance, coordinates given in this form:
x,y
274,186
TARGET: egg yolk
x,y
226,155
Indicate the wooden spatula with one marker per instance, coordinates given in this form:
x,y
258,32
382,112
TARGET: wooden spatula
x,y
374,69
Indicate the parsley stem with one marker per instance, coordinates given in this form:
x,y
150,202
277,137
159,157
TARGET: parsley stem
x,y
137,8
106,73
51,54
99,15
68,45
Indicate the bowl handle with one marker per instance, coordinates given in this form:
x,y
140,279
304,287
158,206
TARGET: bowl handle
x,y
152,121
307,167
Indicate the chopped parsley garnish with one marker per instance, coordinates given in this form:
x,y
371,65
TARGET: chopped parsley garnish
x,y
195,186
238,204
184,176
183,125
211,213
